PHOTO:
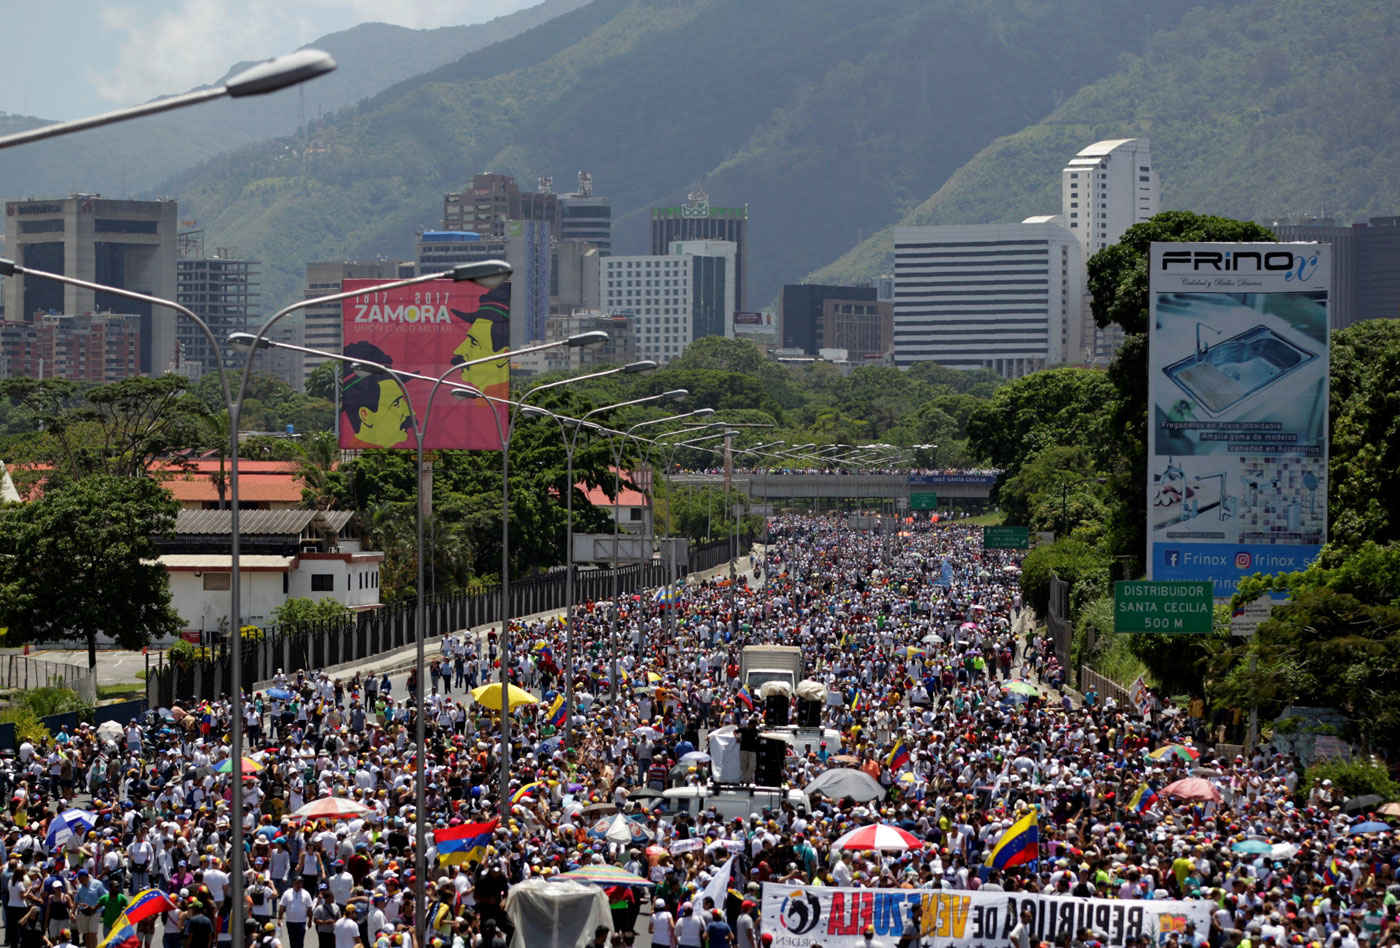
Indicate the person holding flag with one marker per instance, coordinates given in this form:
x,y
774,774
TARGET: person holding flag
x,y
1019,845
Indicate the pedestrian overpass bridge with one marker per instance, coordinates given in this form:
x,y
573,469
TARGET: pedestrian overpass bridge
x,y
966,489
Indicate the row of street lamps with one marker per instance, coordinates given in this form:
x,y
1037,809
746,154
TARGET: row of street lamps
x,y
269,77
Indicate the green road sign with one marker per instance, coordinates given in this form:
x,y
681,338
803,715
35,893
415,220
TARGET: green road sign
x,y
1006,538
922,500
1180,607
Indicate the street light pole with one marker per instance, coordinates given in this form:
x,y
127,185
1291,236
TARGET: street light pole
x,y
265,77
570,446
617,494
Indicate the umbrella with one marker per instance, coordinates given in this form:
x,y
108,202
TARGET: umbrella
x,y
1254,846
619,829
695,757
489,696
71,822
879,836
331,808
1390,809
1371,826
109,731
645,731
910,651
1192,788
1284,850
844,782
1018,687
281,694
602,875
250,766
1364,802
933,639
593,808
644,793
1179,751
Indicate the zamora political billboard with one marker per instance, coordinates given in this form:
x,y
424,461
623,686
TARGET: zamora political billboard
x,y
798,916
429,329
1237,400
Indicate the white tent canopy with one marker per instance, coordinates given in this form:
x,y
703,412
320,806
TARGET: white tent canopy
x,y
555,914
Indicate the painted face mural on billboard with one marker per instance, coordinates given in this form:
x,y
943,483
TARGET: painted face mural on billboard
x,y
431,329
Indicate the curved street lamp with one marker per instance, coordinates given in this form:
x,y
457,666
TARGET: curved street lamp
x,y
261,79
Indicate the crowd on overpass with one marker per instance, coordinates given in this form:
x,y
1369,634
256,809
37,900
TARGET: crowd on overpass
x,y
937,721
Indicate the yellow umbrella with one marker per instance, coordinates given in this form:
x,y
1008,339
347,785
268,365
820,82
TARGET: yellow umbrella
x,y
489,696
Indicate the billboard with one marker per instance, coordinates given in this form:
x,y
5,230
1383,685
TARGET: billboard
x,y
425,329
1237,394
800,916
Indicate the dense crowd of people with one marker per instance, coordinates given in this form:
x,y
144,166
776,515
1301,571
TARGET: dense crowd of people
x,y
931,682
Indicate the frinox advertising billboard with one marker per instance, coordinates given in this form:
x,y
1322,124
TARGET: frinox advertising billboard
x,y
1237,402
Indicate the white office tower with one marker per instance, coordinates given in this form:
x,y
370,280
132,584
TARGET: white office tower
x,y
1007,297
1105,189
676,297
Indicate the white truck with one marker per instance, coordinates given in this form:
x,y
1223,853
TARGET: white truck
x,y
760,664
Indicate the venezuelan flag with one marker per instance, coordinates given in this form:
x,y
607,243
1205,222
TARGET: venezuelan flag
x,y
746,696
558,714
527,792
459,845
1331,872
898,757
146,904
1020,844
856,701
1143,800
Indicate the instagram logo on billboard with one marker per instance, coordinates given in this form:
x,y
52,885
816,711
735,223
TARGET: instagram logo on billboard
x,y
1243,560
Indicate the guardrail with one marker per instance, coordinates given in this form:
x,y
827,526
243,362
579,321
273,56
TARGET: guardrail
x,y
1104,686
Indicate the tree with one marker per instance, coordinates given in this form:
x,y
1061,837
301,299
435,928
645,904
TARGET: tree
x,y
1055,407
1335,643
300,610
81,561
1364,496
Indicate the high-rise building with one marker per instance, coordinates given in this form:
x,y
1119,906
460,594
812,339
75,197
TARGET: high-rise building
x,y
492,200
620,349
222,291
1105,189
585,216
995,296
91,348
864,329
126,244
697,219
674,298
800,310
321,326
573,278
1365,265
525,245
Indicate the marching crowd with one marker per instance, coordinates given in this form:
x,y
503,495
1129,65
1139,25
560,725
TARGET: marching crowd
x,y
932,684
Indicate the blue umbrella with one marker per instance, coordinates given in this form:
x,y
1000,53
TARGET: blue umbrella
x,y
281,694
1255,846
72,822
1373,826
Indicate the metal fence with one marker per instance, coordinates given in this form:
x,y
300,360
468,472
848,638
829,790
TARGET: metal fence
x,y
1105,687
19,672
376,631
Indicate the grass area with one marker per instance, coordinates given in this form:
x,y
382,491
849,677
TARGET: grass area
x,y
126,689
994,519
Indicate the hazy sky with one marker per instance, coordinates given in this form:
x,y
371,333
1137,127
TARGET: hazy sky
x,y
69,58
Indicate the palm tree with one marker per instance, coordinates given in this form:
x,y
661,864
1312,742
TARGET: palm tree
x,y
216,429
317,456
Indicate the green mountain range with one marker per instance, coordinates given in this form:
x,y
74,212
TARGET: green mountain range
x,y
829,121
139,155
1269,109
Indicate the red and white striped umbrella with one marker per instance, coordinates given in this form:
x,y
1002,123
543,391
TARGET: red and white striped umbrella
x,y
879,836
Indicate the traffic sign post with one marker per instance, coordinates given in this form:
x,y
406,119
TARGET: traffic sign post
x,y
923,500
1006,538
1181,607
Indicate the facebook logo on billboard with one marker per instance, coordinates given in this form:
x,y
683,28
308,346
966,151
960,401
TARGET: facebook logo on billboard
x,y
1172,557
